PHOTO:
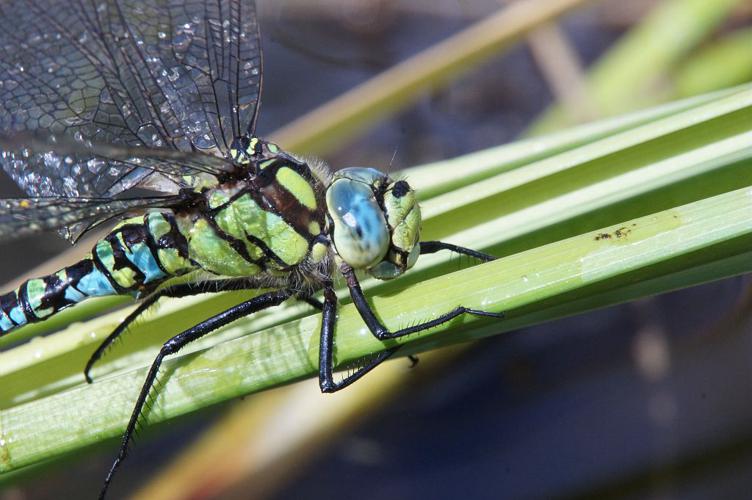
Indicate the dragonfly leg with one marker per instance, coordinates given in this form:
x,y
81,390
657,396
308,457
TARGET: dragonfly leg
x,y
326,348
174,291
380,331
435,246
174,345
313,302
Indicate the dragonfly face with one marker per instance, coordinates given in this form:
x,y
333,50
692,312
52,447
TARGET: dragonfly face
x,y
375,221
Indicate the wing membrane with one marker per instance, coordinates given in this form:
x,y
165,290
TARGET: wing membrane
x,y
88,169
72,216
175,75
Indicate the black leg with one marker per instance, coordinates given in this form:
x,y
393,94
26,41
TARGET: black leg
x,y
435,246
326,348
313,302
328,318
175,291
112,337
379,330
174,345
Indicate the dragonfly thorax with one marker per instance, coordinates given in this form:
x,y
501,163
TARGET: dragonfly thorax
x,y
243,149
375,221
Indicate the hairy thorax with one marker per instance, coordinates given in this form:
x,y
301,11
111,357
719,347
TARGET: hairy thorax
x,y
271,226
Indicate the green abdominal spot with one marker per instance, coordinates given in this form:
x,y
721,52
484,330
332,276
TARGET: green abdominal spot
x,y
35,289
158,225
125,276
172,262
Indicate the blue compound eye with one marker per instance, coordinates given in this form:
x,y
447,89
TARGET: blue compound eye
x,y
361,235
366,175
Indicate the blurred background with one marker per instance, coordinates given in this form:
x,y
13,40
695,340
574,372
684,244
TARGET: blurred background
x,y
651,399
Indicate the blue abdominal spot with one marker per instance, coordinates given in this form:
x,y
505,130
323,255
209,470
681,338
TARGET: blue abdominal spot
x,y
73,295
142,258
95,284
17,315
5,323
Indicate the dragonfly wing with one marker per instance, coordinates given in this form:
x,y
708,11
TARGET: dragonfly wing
x,y
176,75
89,169
71,216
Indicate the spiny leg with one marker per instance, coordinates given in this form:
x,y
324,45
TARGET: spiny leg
x,y
379,330
107,342
174,345
326,378
176,291
436,246
326,348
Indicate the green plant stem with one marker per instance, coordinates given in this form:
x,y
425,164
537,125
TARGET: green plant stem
x,y
645,209
627,76
660,251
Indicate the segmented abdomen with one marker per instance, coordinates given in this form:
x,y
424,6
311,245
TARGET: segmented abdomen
x,y
134,258
271,225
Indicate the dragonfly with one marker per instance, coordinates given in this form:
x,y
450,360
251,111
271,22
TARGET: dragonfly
x,y
143,114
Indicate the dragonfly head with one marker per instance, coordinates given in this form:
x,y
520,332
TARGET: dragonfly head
x,y
375,221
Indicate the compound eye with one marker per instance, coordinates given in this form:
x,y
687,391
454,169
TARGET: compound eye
x,y
361,235
400,189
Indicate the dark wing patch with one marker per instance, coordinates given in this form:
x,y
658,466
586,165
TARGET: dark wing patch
x,y
176,75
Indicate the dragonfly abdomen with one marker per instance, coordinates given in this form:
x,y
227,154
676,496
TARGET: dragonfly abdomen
x,y
134,258
240,232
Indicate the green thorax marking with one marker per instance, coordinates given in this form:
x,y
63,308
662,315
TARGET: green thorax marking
x,y
246,220
211,251
266,223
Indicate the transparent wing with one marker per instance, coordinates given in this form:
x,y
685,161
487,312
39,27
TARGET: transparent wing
x,y
85,168
176,75
71,216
